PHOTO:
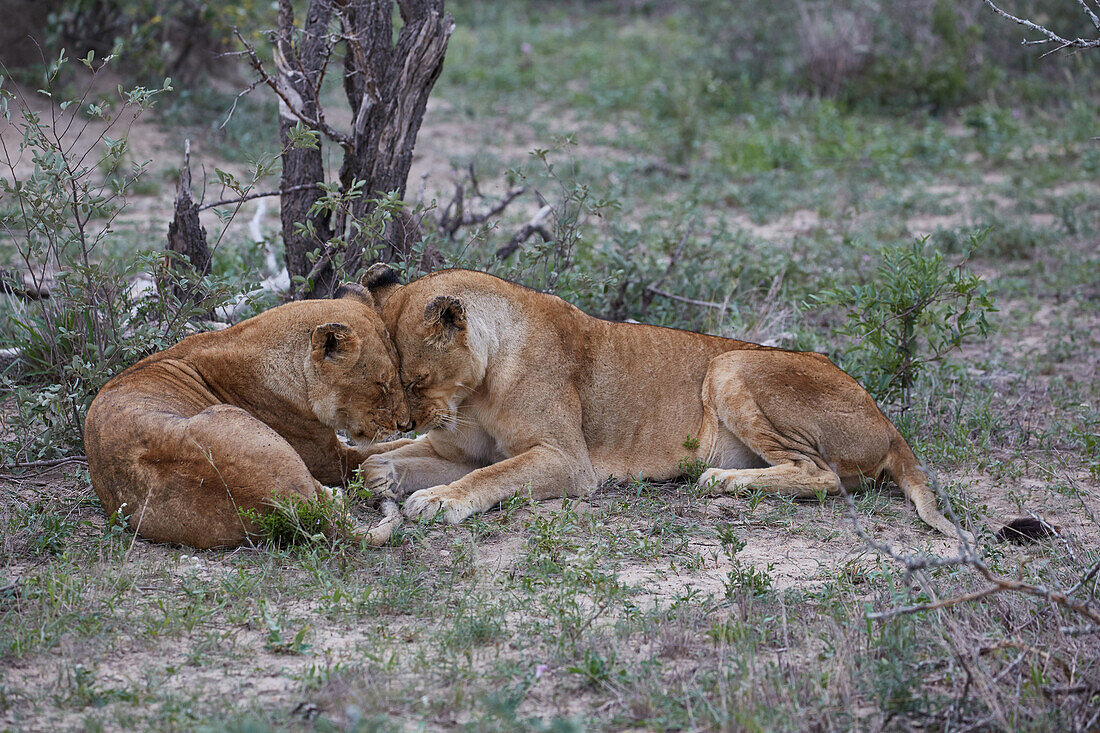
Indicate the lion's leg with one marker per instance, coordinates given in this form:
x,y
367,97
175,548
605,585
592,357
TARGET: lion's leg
x,y
197,477
756,450
413,465
802,480
543,472
792,466
352,458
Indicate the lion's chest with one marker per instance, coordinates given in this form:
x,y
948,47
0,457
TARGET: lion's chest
x,y
476,439
487,434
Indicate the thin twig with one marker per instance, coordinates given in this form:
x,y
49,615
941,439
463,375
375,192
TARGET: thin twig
x,y
967,556
236,99
249,197
689,301
1051,36
314,124
658,282
450,225
526,232
49,463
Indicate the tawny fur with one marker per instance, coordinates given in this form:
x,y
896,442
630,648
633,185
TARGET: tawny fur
x,y
186,439
523,392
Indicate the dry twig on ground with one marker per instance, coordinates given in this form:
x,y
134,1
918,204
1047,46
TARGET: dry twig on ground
x,y
969,555
531,228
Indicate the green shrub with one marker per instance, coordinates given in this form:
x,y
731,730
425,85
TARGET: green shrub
x,y
291,522
914,311
57,219
746,579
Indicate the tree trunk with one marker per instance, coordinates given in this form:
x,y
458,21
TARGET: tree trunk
x,y
387,86
300,68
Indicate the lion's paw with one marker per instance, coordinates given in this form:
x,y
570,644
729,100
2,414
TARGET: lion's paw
x,y
712,477
379,477
427,503
720,481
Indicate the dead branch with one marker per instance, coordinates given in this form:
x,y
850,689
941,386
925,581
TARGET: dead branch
x,y
455,216
249,197
1051,36
653,288
968,555
689,301
49,463
526,232
233,107
322,262
283,92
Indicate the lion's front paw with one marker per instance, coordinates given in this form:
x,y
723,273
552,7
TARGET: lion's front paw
x,y
379,477
426,503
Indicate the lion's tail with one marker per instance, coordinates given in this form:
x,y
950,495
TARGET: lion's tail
x,y
904,468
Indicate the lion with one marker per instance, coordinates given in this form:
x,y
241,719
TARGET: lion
x,y
189,441
522,392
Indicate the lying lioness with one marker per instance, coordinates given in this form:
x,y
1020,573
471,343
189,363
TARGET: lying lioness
x,y
524,392
187,439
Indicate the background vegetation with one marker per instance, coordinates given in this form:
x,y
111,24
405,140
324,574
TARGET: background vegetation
x,y
901,186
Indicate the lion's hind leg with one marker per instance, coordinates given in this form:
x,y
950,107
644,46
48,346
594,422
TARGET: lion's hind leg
x,y
756,457
800,479
753,448
206,473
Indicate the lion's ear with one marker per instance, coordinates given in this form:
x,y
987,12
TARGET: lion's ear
x,y
381,281
333,342
445,318
357,292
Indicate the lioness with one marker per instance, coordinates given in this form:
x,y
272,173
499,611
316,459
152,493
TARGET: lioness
x,y
524,392
186,439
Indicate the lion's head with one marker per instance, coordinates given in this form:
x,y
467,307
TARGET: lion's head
x,y
351,376
438,367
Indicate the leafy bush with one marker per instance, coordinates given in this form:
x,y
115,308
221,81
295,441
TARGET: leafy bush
x,y
915,311
99,317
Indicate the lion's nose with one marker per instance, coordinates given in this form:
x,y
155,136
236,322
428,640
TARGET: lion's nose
x,y
406,427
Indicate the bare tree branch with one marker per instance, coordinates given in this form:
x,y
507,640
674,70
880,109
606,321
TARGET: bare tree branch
x,y
689,301
653,288
450,224
249,197
968,555
529,229
50,463
1051,36
294,107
